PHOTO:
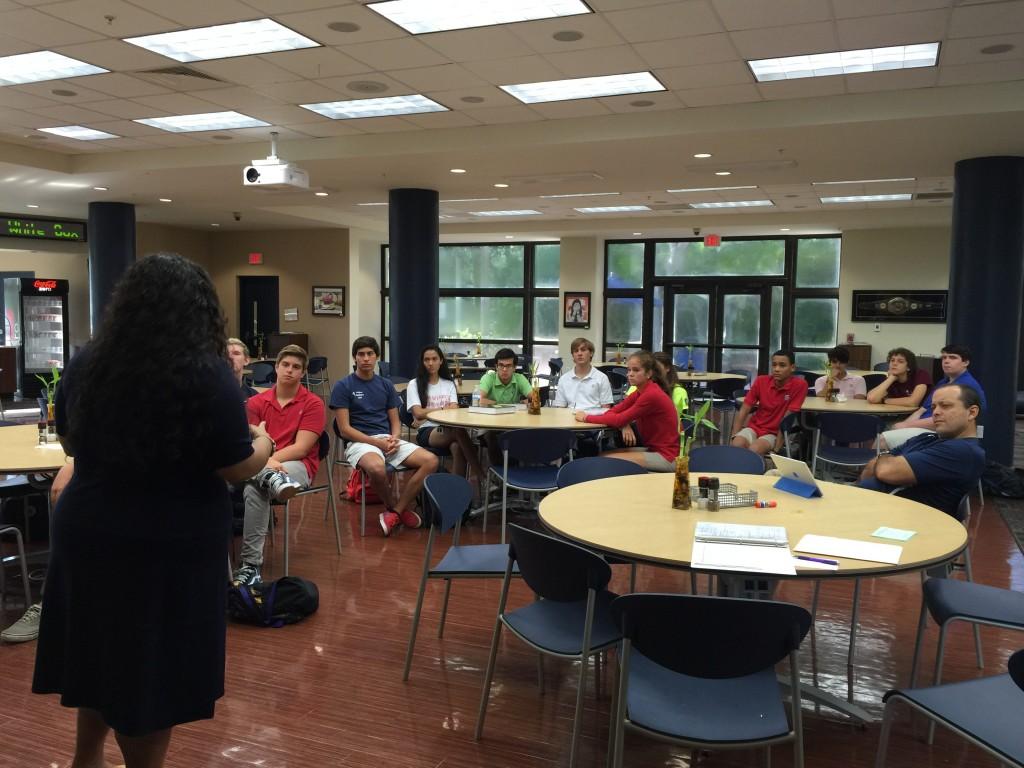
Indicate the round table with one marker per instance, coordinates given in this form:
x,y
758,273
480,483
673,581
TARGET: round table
x,y
464,387
552,418
707,376
20,452
821,405
633,517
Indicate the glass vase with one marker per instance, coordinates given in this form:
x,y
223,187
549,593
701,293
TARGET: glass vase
x,y
681,487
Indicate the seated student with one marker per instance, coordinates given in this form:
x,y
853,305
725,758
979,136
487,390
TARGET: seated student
x,y
294,419
936,468
584,386
775,396
433,378
678,392
238,356
905,384
850,387
366,407
502,386
651,407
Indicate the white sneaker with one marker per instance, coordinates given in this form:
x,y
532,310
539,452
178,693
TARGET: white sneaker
x,y
26,628
277,484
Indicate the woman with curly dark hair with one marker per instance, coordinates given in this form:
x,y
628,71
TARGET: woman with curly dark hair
x,y
132,627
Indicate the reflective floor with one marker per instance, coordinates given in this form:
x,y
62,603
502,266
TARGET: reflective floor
x,y
328,692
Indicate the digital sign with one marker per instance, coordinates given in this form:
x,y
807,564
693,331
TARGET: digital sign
x,y
42,229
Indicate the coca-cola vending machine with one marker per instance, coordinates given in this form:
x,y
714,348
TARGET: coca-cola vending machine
x,y
40,330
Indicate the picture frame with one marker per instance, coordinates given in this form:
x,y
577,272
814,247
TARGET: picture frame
x,y
329,300
900,306
576,309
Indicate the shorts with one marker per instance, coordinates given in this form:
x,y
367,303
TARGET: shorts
x,y
423,436
894,438
655,462
355,451
750,436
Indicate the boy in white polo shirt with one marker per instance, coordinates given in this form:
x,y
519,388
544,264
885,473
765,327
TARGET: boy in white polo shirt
x,y
584,386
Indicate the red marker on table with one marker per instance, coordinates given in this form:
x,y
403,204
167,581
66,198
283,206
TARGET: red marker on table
x,y
765,504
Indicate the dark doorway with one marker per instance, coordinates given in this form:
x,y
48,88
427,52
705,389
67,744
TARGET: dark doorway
x,y
257,298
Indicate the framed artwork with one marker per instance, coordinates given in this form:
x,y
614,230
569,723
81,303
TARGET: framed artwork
x,y
900,306
576,310
329,300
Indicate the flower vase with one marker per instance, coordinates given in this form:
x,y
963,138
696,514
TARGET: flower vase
x,y
51,424
533,402
681,487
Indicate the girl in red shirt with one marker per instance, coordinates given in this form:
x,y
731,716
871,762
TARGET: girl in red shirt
x,y
651,407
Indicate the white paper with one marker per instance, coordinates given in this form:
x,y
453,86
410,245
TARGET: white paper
x,y
742,558
490,410
738,533
851,548
885,532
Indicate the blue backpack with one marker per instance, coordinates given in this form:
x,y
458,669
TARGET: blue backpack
x,y
288,600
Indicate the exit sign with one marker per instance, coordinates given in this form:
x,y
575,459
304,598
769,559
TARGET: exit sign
x,y
255,258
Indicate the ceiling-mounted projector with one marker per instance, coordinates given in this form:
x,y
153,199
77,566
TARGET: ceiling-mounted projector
x,y
273,172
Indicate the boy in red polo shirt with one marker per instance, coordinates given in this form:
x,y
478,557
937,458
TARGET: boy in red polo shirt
x,y
775,396
294,419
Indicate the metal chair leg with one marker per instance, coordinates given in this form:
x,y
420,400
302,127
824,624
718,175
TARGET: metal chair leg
x,y
853,640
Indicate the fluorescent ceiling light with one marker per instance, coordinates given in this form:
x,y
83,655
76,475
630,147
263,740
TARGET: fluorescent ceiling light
x,y
734,204
67,185
413,104
505,213
244,38
614,209
867,198
422,16
861,181
845,62
371,203
471,200
79,132
42,65
584,87
207,121
579,194
707,189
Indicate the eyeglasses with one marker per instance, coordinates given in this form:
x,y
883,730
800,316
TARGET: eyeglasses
x,y
505,366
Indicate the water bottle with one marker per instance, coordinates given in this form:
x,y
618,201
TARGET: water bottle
x,y
476,397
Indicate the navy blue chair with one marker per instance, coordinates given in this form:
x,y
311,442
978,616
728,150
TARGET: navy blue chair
x,y
337,459
571,617
881,366
447,499
385,368
985,711
316,376
700,671
872,380
263,374
725,458
535,453
619,384
845,428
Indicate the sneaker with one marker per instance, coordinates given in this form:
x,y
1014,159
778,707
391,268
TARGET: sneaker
x,y
411,519
26,628
388,521
277,484
247,575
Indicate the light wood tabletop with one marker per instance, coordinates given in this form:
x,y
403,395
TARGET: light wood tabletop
x,y
707,376
821,405
552,418
633,517
20,451
464,387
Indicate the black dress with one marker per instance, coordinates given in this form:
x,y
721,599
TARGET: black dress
x,y
133,620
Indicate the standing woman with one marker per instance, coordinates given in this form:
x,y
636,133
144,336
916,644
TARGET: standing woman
x,y
432,390
651,407
132,630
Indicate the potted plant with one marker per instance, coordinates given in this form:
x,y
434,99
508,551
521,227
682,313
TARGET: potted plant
x,y
479,344
50,388
681,487
689,359
533,403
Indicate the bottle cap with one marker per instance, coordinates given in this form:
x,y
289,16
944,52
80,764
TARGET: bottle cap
x,y
713,483
702,482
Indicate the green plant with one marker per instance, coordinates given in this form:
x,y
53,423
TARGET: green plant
x,y
50,384
697,420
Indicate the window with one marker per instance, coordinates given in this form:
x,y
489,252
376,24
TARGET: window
x,y
625,265
730,259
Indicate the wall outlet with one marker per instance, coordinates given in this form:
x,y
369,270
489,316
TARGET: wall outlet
x,y
878,328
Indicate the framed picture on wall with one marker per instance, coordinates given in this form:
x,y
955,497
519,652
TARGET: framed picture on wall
x,y
576,310
329,300
900,306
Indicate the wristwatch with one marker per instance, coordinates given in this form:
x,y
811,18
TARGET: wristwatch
x,y
885,453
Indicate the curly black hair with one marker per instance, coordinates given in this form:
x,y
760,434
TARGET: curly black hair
x,y
142,388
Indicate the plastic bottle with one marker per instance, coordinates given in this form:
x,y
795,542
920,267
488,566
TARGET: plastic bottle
x,y
476,397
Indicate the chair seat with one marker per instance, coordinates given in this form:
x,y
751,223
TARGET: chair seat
x,y
558,627
532,478
729,710
837,454
474,559
947,598
988,709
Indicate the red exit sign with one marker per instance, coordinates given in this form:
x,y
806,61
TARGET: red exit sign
x,y
255,258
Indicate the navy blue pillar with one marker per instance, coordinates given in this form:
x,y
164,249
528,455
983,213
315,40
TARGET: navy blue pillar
x,y
111,252
986,284
413,275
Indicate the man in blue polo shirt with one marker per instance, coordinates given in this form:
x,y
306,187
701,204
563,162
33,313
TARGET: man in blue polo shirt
x,y
935,468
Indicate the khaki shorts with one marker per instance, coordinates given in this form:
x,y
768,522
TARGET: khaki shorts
x,y
750,436
355,451
655,462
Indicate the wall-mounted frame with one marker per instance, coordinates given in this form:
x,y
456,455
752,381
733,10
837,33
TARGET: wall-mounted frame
x,y
576,309
900,306
329,300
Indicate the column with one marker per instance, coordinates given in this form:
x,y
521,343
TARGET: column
x,y
111,251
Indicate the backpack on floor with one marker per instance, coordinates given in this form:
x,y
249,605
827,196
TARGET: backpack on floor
x,y
288,600
359,484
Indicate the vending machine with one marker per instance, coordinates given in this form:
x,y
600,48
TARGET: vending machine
x,y
40,329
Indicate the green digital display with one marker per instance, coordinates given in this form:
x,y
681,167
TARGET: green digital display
x,y
42,229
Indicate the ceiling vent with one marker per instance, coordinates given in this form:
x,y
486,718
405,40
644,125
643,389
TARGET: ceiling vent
x,y
933,196
177,78
670,207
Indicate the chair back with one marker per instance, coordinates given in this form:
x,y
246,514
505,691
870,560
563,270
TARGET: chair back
x,y
316,365
710,637
809,376
473,374
963,509
724,388
385,368
849,427
595,468
555,569
490,363
881,366
555,365
618,381
323,447
263,374
536,446
747,376
404,414
449,496
725,458
1015,666
872,380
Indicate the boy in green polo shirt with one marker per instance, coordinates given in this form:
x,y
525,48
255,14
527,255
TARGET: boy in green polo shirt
x,y
503,385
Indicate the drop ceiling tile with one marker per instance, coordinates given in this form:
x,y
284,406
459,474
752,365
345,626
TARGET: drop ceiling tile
x,y
893,80
178,103
301,92
619,5
726,94
704,49
990,72
351,87
994,19
125,128
497,115
10,46
384,125
129,20
165,139
117,84
67,114
200,13
441,78
46,90
597,61
115,55
661,102
755,14
313,24
316,63
491,97
705,75
848,9
576,108
17,100
441,120
127,109
43,30
892,29
282,114
327,128
395,54
478,43
785,41
804,88
238,98
8,5
284,6
246,70
262,134
525,69
539,35
124,144
661,22
968,50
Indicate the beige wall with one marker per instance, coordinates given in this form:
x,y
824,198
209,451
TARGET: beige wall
x,y
582,269
190,243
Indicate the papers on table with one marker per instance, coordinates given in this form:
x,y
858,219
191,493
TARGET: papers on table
x,y
735,533
743,548
492,410
885,532
851,548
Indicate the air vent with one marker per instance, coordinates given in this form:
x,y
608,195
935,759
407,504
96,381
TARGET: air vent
x,y
673,207
933,196
177,78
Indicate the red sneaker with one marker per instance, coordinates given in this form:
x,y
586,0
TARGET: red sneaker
x,y
411,519
388,521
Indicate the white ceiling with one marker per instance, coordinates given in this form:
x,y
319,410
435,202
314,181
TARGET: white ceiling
x,y
780,137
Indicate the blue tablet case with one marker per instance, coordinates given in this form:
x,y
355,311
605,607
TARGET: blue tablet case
x,y
796,487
